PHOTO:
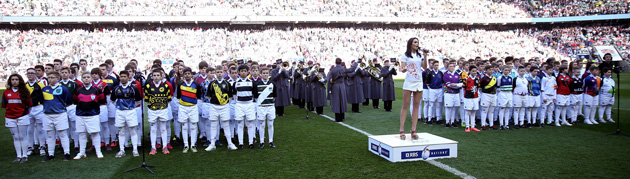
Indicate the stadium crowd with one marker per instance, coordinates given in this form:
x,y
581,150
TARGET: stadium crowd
x,y
564,8
570,40
355,8
22,49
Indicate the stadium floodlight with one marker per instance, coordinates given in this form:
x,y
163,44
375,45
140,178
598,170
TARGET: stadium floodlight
x,y
12,23
125,22
51,23
196,22
88,22
328,22
161,22
388,22
297,22
359,22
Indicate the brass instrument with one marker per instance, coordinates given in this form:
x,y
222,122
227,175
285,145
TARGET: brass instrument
x,y
285,65
362,65
310,71
320,75
374,71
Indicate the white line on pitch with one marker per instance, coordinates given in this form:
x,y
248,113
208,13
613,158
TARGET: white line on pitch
x,y
432,162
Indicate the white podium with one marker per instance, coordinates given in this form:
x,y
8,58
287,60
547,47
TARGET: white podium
x,y
428,147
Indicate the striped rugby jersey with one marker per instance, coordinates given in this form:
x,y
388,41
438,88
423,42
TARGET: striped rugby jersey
x,y
13,103
244,90
188,93
88,100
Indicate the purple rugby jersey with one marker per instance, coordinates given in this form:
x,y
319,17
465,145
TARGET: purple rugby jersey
x,y
451,77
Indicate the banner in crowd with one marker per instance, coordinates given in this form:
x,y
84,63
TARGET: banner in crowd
x,y
601,50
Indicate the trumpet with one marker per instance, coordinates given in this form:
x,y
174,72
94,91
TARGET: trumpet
x,y
285,65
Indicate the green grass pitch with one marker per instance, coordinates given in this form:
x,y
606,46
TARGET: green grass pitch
x,y
320,148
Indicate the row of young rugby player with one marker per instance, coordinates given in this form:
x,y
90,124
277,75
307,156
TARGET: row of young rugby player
x,y
531,92
72,107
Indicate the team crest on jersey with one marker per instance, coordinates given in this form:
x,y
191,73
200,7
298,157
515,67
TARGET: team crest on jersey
x,y
92,97
57,91
9,94
161,89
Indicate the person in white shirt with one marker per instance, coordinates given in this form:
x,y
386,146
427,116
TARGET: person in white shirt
x,y
606,95
520,97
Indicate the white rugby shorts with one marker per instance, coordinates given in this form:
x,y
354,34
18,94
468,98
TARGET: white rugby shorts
x,y
126,118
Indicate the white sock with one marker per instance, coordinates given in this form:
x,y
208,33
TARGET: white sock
x,y
593,110
65,141
431,110
251,131
112,130
608,111
271,129
213,127
83,142
491,116
96,141
163,132
134,138
185,134
261,130
122,138
105,132
177,127
50,140
521,115
226,131
438,112
16,141
241,126
169,131
193,133
153,134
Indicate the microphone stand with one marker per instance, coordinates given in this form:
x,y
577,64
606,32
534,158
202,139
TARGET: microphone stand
x,y
618,131
144,164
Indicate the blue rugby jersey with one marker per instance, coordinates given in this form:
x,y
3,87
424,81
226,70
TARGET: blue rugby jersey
x,y
533,87
112,81
56,99
126,96
505,83
434,79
